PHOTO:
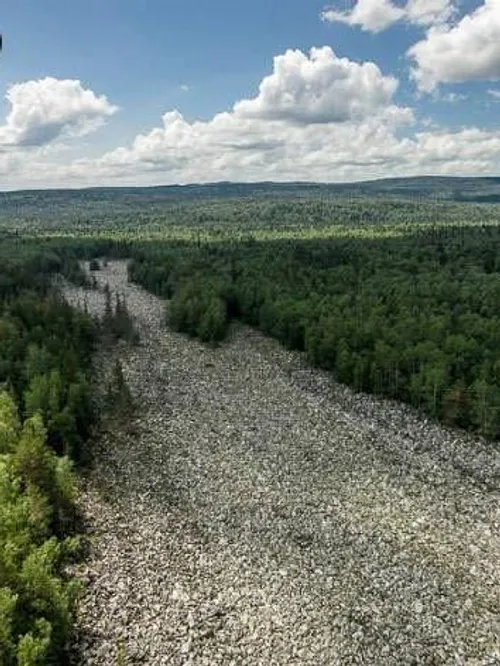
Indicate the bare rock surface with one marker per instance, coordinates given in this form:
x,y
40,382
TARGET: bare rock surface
x,y
256,514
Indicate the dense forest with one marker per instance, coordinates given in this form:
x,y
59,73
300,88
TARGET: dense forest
x,y
442,188
46,414
414,318
235,212
392,297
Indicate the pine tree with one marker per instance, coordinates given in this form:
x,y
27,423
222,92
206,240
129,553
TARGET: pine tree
x,y
119,398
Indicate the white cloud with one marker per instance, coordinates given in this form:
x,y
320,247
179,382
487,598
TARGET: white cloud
x,y
227,148
429,12
232,147
466,51
184,87
370,15
468,152
10,164
312,114
494,93
49,109
377,15
316,117
320,88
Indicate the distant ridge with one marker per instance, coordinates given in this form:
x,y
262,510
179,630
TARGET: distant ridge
x,y
435,188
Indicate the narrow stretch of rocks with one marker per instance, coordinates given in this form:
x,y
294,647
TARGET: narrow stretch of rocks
x,y
253,513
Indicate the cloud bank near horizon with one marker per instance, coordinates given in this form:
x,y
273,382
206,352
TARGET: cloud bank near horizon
x,y
316,116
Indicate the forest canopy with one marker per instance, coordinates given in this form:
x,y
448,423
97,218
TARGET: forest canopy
x,y
413,317
391,297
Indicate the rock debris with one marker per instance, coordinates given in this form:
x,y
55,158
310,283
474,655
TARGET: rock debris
x,y
255,513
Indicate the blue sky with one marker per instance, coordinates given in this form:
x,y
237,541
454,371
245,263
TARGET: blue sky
x,y
136,60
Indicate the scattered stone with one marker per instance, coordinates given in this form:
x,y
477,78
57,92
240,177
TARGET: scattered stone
x,y
261,515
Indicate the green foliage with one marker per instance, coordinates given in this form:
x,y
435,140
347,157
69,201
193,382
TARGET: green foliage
x,y
200,311
9,423
414,318
47,480
36,494
225,210
395,297
117,323
119,400
34,647
8,602
45,352
38,361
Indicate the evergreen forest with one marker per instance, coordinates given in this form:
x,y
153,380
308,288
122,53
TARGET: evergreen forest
x,y
394,296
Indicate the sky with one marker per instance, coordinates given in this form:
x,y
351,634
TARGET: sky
x,y
149,92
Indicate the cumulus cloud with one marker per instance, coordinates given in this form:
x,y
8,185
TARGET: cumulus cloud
x,y
468,152
369,15
378,15
466,51
319,88
10,165
316,117
230,148
311,113
49,109
429,12
468,145
227,149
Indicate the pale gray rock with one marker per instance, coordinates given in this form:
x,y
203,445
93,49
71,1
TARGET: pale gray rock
x,y
259,514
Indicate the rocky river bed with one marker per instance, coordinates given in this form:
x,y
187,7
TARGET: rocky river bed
x,y
254,513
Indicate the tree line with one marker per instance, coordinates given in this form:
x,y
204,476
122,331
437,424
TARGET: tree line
x,y
414,317
47,412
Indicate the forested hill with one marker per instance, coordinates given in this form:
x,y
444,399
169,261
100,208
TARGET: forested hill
x,y
423,187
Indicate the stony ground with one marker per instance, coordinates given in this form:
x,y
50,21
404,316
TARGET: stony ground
x,y
254,514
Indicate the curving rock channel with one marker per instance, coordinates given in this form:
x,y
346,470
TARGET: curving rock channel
x,y
255,514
